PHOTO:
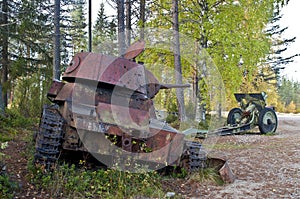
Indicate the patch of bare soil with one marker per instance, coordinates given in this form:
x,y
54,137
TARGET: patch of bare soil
x,y
16,160
264,166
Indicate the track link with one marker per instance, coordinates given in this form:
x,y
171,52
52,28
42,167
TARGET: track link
x,y
49,137
194,157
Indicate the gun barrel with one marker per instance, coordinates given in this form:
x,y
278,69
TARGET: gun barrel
x,y
168,86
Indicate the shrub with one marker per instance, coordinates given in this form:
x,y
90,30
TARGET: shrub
x,y
291,108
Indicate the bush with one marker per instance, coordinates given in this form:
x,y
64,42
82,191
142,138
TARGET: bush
x,y
291,108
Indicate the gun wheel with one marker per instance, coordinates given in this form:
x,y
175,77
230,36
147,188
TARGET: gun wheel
x,y
267,121
234,116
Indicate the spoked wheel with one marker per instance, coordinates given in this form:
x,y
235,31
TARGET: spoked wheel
x,y
234,116
267,121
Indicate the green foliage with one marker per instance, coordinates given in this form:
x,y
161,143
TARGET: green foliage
x,y
78,33
291,107
208,175
30,95
205,124
12,122
289,93
232,33
7,187
104,33
70,182
15,120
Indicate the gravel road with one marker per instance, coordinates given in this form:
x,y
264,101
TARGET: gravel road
x,y
265,166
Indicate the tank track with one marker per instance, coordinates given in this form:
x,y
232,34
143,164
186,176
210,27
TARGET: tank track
x,y
49,137
194,157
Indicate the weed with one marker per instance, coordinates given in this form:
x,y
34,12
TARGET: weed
x,y
228,146
7,187
207,175
269,134
72,182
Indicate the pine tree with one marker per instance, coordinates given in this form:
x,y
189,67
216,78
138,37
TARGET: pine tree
x,y
4,51
78,23
104,33
279,45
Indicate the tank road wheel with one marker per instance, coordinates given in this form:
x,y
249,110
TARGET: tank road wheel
x,y
48,138
267,121
234,116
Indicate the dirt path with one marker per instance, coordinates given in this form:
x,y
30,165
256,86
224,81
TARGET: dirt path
x,y
264,166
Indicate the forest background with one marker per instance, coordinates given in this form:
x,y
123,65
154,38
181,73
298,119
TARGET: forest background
x,y
243,38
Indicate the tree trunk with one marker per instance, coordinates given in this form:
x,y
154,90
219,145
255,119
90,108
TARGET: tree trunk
x,y
2,108
90,26
121,27
56,57
142,18
198,99
177,61
128,22
4,52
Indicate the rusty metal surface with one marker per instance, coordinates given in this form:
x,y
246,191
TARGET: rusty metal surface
x,y
134,50
107,69
123,116
223,168
65,93
226,173
55,88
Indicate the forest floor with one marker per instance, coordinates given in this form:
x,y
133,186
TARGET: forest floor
x,y
265,166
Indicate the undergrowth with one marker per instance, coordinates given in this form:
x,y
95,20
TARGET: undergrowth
x,y
207,175
7,186
13,122
69,181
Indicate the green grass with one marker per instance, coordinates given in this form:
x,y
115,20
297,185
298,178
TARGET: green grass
x,y
207,175
7,187
228,146
69,181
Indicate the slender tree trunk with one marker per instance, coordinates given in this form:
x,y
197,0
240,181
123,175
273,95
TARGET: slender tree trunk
x,y
128,22
56,57
142,18
4,53
195,92
121,27
177,61
90,26
197,95
2,109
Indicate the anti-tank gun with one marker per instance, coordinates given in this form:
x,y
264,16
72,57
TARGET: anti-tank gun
x,y
252,112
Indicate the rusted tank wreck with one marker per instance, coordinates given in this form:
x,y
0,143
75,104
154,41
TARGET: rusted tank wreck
x,y
104,107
